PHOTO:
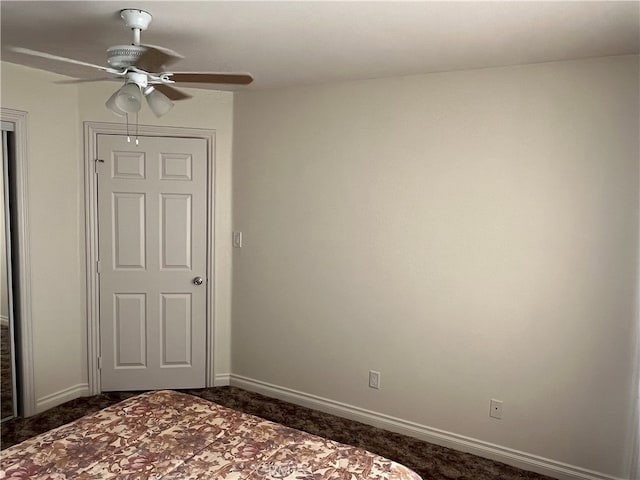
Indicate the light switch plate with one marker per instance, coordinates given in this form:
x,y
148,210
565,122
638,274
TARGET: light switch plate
x,y
237,240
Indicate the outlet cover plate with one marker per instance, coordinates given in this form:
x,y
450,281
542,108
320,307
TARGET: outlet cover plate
x,y
374,379
495,409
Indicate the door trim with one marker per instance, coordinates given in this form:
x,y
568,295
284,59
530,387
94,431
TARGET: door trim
x,y
91,132
23,262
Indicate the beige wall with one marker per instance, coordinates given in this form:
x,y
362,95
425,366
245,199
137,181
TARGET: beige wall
x,y
469,234
56,215
56,184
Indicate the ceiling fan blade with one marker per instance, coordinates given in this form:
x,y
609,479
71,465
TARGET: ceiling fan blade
x,y
155,58
35,53
172,93
84,80
201,77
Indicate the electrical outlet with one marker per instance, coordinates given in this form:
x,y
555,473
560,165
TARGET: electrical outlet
x,y
374,379
495,408
237,240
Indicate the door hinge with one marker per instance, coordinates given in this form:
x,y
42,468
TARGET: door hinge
x,y
98,266
99,363
97,162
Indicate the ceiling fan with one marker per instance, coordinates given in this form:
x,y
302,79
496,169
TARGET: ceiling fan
x,y
143,69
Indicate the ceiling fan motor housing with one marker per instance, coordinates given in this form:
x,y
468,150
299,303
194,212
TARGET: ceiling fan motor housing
x,y
122,56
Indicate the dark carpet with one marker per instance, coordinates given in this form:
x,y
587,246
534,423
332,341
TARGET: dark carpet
x,y
432,462
6,379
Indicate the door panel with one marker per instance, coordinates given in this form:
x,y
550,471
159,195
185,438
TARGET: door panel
x,y
128,165
176,167
175,233
130,327
176,329
152,244
129,242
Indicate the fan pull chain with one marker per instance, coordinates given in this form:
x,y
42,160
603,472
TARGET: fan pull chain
x,y
128,133
128,137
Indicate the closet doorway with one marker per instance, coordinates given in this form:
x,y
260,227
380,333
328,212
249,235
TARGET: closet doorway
x,y
16,337
8,380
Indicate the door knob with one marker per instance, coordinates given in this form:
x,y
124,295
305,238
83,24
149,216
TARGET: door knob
x,y
198,281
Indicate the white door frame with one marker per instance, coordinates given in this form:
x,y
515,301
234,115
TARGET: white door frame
x,y
91,132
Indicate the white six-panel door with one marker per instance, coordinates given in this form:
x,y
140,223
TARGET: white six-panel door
x,y
152,248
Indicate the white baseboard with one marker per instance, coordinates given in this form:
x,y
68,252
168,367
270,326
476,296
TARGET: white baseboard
x,y
523,460
58,398
222,380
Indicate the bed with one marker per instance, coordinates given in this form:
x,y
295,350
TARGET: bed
x,y
172,435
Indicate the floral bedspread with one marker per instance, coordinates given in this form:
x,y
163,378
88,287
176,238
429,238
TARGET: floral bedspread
x,y
171,435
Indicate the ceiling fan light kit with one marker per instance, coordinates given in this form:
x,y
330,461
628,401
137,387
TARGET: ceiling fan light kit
x,y
143,69
158,102
111,105
129,98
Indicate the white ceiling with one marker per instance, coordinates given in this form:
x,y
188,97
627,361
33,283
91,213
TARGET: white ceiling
x,y
302,43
